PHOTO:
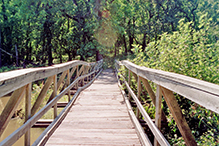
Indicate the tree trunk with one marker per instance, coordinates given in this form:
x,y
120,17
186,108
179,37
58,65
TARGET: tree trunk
x,y
16,52
144,42
49,40
97,10
115,52
124,41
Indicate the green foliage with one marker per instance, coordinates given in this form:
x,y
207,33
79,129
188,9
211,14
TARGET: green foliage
x,y
186,51
193,53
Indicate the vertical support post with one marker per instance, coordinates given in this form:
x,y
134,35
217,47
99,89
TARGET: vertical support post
x,y
77,77
129,82
83,74
54,94
153,97
88,71
27,112
158,112
139,93
68,83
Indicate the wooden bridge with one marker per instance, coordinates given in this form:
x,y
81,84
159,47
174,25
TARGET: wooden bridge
x,y
99,113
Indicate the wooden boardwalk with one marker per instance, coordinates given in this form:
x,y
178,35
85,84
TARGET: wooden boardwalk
x,y
98,117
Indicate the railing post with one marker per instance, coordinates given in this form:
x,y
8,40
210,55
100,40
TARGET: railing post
x,y
27,112
54,94
139,96
82,83
77,77
68,83
158,112
153,97
129,82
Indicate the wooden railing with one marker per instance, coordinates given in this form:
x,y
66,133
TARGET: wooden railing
x,y
204,93
62,76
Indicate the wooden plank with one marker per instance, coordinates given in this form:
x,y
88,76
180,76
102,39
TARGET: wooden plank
x,y
139,88
10,107
204,93
158,111
54,93
42,123
27,112
129,82
42,139
82,73
61,104
68,83
41,95
98,119
179,118
152,96
77,75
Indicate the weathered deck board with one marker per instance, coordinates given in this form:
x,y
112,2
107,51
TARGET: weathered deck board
x,y
98,117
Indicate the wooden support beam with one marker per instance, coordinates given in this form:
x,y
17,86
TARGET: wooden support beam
x,y
129,82
152,96
61,104
27,112
139,88
62,77
68,83
41,95
77,77
158,111
82,70
179,118
42,123
135,76
54,93
10,107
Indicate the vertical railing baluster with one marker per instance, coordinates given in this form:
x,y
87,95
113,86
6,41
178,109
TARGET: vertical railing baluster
x,y
82,75
158,111
129,82
77,77
139,96
54,94
27,112
68,83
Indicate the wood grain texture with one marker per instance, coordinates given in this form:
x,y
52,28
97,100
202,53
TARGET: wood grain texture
x,y
98,117
11,139
10,107
12,80
204,93
152,96
179,117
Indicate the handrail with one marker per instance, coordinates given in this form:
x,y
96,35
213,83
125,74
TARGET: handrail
x,y
158,135
204,93
12,80
26,76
